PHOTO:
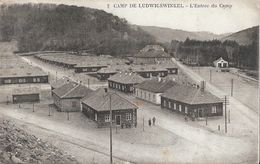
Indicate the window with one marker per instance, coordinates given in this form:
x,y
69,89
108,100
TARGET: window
x,y
21,80
169,104
141,94
38,79
186,109
107,118
153,97
174,106
164,103
119,86
149,96
214,109
73,103
128,116
145,95
7,81
180,108
123,88
136,92
34,80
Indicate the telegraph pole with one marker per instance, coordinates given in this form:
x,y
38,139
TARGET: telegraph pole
x,y
111,160
225,102
232,84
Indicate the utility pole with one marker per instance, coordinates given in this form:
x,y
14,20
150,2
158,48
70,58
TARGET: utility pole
x,y
225,102
206,118
232,84
143,124
49,111
111,160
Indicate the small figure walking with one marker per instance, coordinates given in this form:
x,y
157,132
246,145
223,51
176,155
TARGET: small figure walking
x,y
154,119
186,118
149,122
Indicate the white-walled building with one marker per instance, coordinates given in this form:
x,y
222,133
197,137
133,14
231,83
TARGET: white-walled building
x,y
220,63
151,90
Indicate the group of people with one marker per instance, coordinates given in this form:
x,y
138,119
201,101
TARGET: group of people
x,y
150,121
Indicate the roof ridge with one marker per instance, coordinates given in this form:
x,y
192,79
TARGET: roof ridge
x,y
70,90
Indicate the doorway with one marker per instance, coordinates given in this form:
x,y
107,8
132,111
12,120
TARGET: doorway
x,y
118,120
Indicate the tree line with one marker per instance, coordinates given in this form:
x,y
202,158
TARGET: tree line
x,y
203,53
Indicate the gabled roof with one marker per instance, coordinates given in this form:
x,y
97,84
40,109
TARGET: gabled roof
x,y
156,85
126,78
190,95
60,82
72,90
220,59
100,101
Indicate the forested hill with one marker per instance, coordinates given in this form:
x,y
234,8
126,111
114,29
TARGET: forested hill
x,y
61,27
244,37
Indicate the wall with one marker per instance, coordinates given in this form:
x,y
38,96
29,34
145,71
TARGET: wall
x,y
157,99
193,110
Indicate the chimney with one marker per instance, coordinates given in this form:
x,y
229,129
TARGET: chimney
x,y
203,86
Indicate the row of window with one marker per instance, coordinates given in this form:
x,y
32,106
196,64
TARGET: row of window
x,y
128,117
145,95
21,80
180,107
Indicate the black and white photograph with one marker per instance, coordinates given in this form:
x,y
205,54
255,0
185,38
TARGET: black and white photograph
x,y
129,81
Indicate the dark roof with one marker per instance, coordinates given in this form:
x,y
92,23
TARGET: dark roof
x,y
126,78
22,72
156,85
72,90
190,95
60,82
99,100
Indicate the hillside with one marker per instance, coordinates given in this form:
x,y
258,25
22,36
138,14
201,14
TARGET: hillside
x,y
167,34
244,37
61,27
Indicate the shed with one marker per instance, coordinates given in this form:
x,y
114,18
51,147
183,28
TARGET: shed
x,y
220,63
22,95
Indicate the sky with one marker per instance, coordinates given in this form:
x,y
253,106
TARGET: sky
x,y
238,14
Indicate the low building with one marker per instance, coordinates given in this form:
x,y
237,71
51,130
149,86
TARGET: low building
x,y
88,67
67,97
151,71
22,76
97,108
151,54
22,95
191,101
220,63
151,90
125,81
